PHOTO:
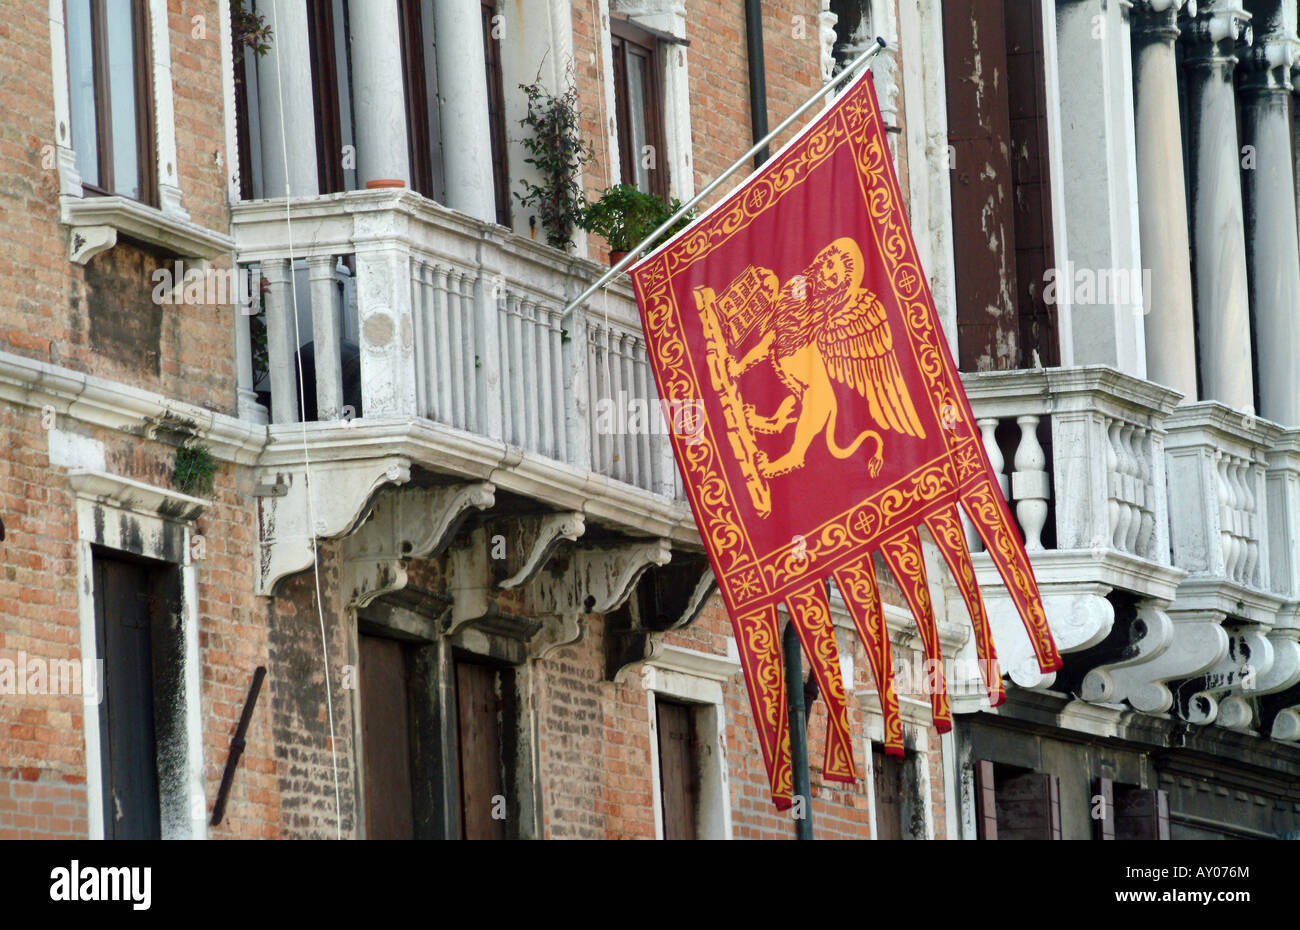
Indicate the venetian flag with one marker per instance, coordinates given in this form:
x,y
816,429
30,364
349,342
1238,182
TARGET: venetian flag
x,y
796,316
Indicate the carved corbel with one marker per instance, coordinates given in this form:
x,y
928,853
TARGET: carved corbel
x,y
587,580
1152,632
85,242
668,597
1218,701
1190,647
413,523
1078,621
527,542
339,495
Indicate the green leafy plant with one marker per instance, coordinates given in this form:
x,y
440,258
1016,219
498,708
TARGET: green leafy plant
x,y
194,468
557,150
250,28
624,217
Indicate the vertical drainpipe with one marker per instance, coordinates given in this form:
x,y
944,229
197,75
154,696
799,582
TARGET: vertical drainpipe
x,y
789,639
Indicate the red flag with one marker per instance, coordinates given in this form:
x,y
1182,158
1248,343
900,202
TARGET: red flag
x,y
796,317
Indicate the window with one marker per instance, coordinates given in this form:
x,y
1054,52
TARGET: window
x,y
134,600
328,35
638,103
1127,812
1001,208
1016,804
421,86
109,70
496,110
889,780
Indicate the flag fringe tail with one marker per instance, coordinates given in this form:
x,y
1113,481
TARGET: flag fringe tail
x,y
857,586
988,513
758,640
903,556
945,526
810,612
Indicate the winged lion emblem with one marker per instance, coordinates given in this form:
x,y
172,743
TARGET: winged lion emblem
x,y
819,328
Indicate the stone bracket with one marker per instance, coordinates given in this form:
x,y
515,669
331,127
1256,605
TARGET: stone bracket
x,y
1108,683
85,242
1249,654
1079,620
586,581
411,523
668,598
339,495
1179,649
529,542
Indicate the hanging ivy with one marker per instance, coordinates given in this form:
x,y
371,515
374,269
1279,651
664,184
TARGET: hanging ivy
x,y
557,150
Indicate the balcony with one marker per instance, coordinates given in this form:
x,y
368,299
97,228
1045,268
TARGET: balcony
x,y
1169,573
435,355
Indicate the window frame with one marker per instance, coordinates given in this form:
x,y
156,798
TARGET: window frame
x,y
626,41
145,110
496,114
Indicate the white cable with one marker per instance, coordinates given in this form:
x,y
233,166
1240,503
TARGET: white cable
x,y
306,457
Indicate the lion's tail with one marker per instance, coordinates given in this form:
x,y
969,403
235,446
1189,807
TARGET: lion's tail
x,y
841,452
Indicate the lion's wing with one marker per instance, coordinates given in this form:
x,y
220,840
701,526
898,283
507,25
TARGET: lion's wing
x,y
858,349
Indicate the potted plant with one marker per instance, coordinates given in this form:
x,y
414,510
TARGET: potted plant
x,y
625,216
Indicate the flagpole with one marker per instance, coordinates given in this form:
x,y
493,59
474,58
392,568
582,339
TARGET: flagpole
x,y
634,253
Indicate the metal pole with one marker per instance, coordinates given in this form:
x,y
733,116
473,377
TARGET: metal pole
x,y
837,82
803,826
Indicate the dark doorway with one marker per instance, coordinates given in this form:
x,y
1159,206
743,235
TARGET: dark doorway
x,y
137,633
679,774
386,738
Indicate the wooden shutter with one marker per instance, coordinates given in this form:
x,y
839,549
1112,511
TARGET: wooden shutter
x,y
1103,828
386,739
496,114
678,769
325,78
478,709
986,807
887,782
1029,807
127,735
415,84
1031,190
1001,204
1141,814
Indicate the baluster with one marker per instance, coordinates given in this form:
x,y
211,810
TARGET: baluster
x,y
459,348
531,398
650,419
542,346
1132,482
280,349
1147,520
1227,504
326,332
1249,522
1116,513
561,403
473,361
1029,482
631,441
514,387
618,392
598,415
445,348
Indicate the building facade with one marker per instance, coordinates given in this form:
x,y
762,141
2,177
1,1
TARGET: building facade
x,y
289,384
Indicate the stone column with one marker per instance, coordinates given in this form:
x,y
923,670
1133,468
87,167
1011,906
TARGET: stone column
x,y
1162,198
463,99
1272,249
1101,324
1218,225
288,131
377,88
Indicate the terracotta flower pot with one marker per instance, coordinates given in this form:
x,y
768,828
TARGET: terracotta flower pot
x,y
379,183
616,257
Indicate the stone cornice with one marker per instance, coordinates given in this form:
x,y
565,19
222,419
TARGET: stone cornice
x,y
100,402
